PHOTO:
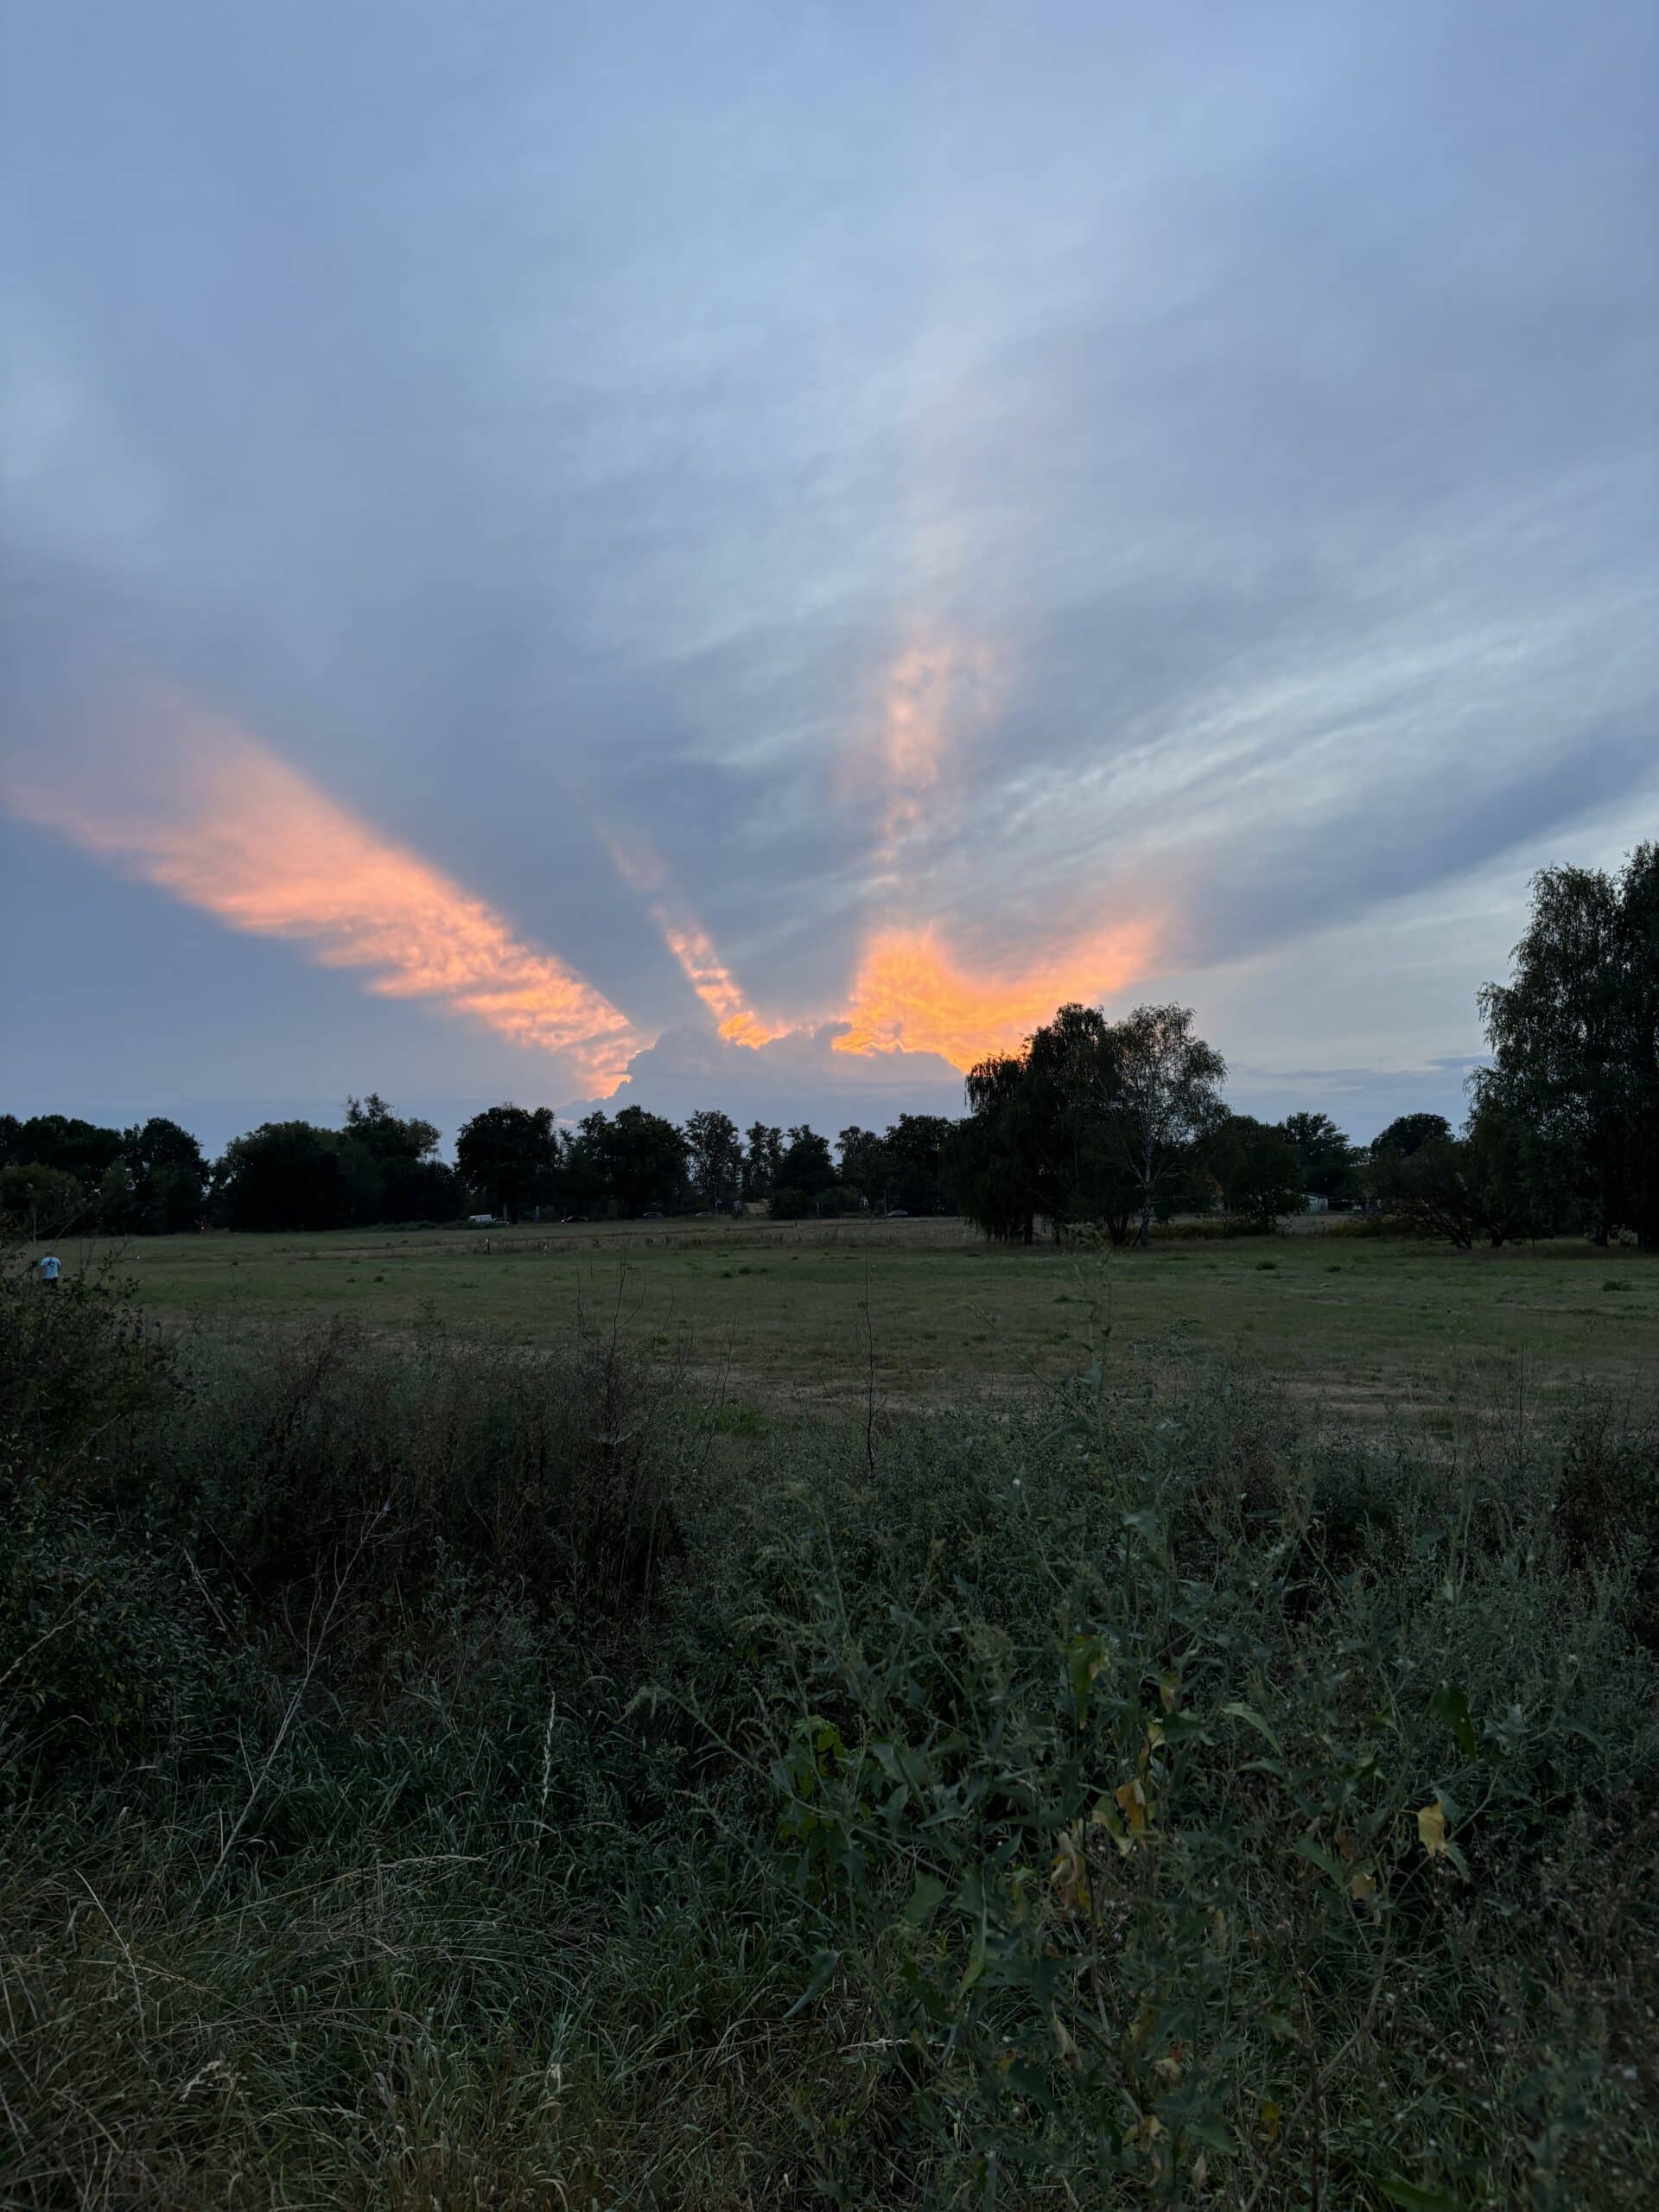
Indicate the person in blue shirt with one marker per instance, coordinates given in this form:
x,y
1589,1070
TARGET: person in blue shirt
x,y
49,1272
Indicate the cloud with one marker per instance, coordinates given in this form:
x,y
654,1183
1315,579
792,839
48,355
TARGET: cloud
x,y
694,949
910,995
212,817
937,693
799,1076
957,496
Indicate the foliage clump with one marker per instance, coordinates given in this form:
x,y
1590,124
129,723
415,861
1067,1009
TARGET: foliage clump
x,y
434,1778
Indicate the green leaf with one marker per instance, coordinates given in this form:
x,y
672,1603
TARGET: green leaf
x,y
1248,1714
1326,1861
1408,2193
1204,2128
974,1967
1184,1727
1449,1705
926,1899
823,1968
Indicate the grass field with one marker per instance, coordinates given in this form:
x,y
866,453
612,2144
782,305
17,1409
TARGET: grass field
x,y
798,1313
444,1776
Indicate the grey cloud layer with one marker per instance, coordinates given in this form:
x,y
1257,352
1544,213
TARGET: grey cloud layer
x,y
541,424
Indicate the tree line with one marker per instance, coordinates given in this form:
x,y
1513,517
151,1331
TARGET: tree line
x,y
511,1162
1093,1126
1108,1125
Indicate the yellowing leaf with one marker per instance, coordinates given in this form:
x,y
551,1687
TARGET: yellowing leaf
x,y
1431,1829
1362,1886
1071,1874
1167,2069
1271,2117
1135,1802
1103,1816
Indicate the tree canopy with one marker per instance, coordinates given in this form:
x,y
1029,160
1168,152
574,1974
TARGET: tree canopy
x,y
1323,1154
1409,1133
505,1152
1574,1035
714,1157
1257,1169
1094,1121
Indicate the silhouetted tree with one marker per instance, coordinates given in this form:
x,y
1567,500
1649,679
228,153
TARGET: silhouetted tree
x,y
505,1154
76,1148
37,1201
715,1157
1409,1133
390,1165
168,1177
1046,1134
640,1156
1575,1037
1257,1169
1170,1097
994,1157
282,1175
762,1160
866,1167
914,1148
807,1167
373,1124
1323,1153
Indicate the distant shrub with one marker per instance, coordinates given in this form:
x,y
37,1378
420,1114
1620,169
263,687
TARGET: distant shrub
x,y
1221,1229
1368,1226
40,1201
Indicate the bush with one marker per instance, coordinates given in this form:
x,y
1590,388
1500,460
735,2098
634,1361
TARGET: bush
x,y
433,1780
1606,1511
1221,1229
78,1365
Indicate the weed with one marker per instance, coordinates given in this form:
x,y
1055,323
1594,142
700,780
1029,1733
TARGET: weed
x,y
440,1777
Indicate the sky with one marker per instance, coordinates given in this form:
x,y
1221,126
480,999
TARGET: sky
x,y
739,555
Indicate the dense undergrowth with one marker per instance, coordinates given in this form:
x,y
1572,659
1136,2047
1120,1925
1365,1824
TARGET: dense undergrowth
x,y
438,1780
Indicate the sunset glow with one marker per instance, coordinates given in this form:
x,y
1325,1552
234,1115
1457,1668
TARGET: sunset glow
x,y
694,949
220,821
936,689
714,983
225,826
911,995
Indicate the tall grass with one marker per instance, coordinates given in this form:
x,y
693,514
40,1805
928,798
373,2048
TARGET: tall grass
x,y
438,1779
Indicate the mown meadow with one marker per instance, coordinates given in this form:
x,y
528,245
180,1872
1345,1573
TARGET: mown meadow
x,y
447,1771
1360,1325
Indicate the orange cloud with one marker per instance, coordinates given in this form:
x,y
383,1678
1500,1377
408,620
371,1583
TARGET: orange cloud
x,y
714,983
692,946
222,823
910,995
937,687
